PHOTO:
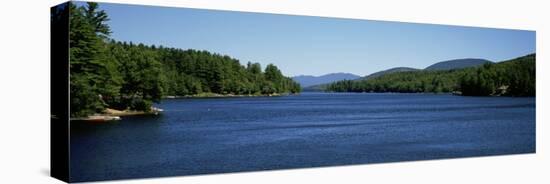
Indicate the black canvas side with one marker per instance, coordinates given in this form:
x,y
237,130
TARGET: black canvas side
x,y
59,99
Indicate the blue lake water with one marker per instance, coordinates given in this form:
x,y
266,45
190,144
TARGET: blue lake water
x,y
218,135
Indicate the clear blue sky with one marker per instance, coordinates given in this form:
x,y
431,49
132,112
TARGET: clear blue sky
x,y
313,45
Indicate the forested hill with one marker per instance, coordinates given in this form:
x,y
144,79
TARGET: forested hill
x,y
109,74
323,86
443,65
308,80
388,71
514,77
457,64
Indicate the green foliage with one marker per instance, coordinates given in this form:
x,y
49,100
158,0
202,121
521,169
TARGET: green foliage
x,y
83,100
403,82
141,105
109,74
93,74
190,72
515,77
140,71
512,78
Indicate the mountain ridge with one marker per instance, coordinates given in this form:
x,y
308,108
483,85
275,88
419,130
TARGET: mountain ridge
x,y
457,64
388,71
438,66
311,80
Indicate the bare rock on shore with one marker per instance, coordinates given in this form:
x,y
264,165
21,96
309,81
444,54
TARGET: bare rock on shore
x,y
114,115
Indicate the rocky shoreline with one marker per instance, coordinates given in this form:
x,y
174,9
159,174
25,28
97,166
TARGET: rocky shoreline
x,y
216,95
115,115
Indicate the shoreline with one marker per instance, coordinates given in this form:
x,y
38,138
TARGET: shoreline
x,y
115,115
454,93
217,95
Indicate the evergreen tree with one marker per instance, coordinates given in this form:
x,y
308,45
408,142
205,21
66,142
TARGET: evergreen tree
x,y
91,68
123,75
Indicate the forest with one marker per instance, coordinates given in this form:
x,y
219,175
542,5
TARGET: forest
x,y
105,73
515,77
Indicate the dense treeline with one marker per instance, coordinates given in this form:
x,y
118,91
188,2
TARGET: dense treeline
x,y
196,72
515,77
108,74
402,82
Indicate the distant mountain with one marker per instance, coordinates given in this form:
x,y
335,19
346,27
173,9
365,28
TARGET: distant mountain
x,y
388,71
467,77
315,88
444,65
457,64
309,80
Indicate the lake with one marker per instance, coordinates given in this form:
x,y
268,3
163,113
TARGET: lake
x,y
218,135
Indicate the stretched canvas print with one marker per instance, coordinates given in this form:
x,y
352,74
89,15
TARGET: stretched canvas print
x,y
148,91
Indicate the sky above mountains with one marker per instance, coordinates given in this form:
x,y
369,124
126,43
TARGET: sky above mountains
x,y
302,45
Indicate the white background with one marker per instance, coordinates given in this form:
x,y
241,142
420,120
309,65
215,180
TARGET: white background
x,y
24,91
